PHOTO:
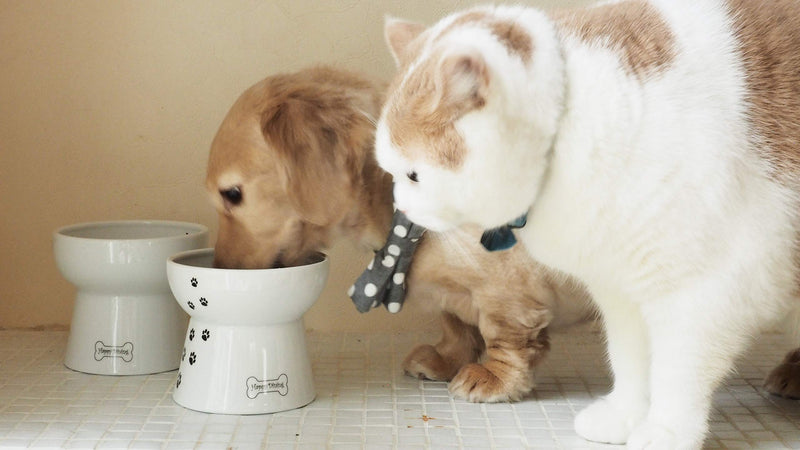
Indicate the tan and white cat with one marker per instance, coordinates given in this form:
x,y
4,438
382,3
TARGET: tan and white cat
x,y
292,169
655,148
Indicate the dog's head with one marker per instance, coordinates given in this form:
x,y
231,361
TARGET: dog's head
x,y
285,166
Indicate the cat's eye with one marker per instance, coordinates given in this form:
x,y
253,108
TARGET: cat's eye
x,y
412,176
232,196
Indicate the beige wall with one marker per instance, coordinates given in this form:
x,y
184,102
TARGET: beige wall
x,y
107,110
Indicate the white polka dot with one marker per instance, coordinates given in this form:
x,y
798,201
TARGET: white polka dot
x,y
351,291
394,250
369,266
414,240
388,261
370,290
398,278
375,304
401,231
393,307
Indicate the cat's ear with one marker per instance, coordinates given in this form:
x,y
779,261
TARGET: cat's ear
x,y
462,80
399,34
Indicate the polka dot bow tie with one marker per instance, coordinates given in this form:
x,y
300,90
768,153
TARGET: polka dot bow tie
x,y
384,280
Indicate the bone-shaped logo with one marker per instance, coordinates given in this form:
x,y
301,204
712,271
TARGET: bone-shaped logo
x,y
256,386
108,351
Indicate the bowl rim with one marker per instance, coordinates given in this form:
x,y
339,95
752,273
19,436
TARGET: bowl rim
x,y
198,230
200,251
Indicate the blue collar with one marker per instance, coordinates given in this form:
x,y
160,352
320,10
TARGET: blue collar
x,y
502,238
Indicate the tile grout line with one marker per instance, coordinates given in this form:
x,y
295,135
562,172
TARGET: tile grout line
x,y
395,418
456,421
337,395
488,423
364,392
424,407
518,422
300,423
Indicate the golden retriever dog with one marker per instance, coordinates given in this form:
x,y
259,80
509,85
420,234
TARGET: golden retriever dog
x,y
292,168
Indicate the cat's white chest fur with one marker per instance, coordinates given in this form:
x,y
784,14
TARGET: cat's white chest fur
x,y
656,179
637,136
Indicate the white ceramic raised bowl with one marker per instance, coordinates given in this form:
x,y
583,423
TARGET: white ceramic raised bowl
x,y
125,320
245,349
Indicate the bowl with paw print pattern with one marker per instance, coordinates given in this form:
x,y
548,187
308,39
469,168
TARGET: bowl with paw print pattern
x,y
245,350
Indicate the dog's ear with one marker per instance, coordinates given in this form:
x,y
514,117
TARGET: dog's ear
x,y
321,145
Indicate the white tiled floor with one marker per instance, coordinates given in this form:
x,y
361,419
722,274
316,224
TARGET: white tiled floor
x,y
364,401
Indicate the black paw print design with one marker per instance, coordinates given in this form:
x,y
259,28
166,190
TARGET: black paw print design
x,y
191,305
191,334
203,301
194,282
183,356
178,383
205,335
192,358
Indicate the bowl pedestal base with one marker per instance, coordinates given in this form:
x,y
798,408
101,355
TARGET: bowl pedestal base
x,y
145,336
244,369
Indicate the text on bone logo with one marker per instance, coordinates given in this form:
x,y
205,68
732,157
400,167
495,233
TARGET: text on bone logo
x,y
124,352
256,386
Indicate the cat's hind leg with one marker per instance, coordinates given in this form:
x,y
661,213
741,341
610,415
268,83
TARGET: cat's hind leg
x,y
612,418
460,344
784,380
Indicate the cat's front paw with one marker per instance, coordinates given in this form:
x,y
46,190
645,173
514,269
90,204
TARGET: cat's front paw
x,y
784,380
425,362
652,436
476,383
604,421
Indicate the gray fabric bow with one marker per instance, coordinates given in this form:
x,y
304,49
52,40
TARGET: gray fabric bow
x,y
384,280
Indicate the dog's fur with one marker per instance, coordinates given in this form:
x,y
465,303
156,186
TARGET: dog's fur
x,y
299,148
654,146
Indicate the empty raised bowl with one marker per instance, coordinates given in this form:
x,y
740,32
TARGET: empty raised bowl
x,y
125,320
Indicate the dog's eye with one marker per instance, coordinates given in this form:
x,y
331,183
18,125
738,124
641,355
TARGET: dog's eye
x,y
232,195
412,176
